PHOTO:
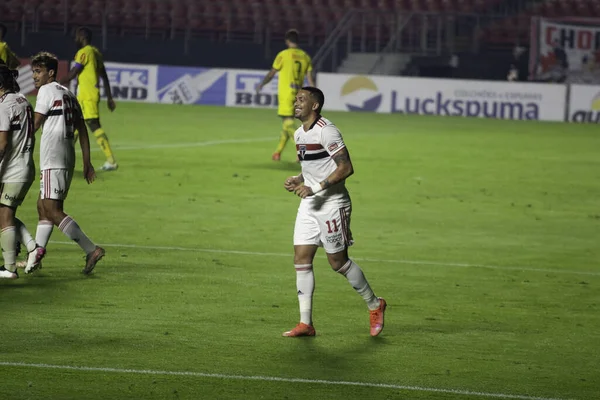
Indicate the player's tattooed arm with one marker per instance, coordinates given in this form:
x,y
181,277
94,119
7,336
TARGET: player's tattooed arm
x,y
344,169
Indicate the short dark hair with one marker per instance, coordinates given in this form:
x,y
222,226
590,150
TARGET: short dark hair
x,y
85,32
3,30
45,59
292,36
317,95
8,79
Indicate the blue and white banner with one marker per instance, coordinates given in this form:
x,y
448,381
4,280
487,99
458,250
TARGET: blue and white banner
x,y
355,93
584,104
184,85
132,82
483,99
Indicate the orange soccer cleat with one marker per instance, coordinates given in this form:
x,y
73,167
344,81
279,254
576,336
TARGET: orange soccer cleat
x,y
301,329
376,318
93,258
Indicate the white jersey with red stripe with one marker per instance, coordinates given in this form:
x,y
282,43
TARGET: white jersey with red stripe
x,y
316,148
16,117
59,105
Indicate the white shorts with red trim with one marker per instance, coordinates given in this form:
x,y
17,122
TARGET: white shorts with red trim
x,y
55,183
327,227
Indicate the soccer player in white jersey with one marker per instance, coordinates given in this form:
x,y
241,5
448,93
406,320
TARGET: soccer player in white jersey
x,y
323,217
59,114
17,169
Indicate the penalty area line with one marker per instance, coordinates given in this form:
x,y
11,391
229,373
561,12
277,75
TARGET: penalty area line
x,y
274,379
367,259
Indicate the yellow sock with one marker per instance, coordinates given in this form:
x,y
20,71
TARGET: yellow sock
x,y
76,136
285,135
102,141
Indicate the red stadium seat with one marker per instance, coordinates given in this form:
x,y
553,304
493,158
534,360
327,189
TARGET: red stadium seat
x,y
160,15
12,11
51,14
97,10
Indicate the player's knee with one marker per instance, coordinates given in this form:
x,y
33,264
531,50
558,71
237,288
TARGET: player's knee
x,y
304,254
337,260
52,211
7,216
302,259
93,123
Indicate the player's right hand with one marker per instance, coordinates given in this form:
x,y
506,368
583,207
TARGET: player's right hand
x,y
89,173
111,105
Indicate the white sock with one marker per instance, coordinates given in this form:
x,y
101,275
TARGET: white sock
x,y
8,240
24,236
43,232
357,279
305,283
69,227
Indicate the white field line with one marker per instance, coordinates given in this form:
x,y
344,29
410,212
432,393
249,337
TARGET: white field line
x,y
275,379
194,144
367,259
272,138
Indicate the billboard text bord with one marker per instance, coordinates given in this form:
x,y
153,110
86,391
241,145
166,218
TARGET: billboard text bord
x,y
444,97
241,89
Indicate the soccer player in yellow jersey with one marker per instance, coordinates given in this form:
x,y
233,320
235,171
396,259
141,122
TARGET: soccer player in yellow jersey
x,y
88,68
6,55
293,64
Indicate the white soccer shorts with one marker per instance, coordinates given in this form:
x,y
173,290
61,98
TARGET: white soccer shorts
x,y
55,183
12,194
327,226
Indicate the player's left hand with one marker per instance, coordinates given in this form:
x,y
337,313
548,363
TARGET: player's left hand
x,y
111,105
303,191
89,173
258,88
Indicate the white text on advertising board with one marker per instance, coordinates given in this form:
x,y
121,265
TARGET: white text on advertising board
x,y
128,83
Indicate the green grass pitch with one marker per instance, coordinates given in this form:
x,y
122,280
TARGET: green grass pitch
x,y
482,235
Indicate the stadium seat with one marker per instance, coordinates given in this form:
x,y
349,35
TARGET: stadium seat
x,y
12,11
50,14
159,15
178,17
97,8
